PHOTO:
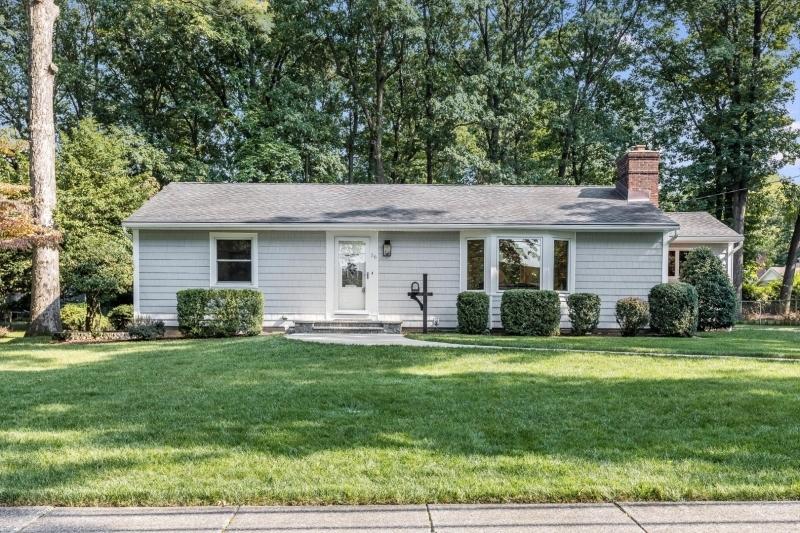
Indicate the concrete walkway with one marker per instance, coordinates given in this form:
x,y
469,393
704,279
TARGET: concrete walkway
x,y
591,517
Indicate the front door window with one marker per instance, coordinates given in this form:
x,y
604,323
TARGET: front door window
x,y
352,267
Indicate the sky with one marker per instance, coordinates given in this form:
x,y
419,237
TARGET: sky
x,y
793,169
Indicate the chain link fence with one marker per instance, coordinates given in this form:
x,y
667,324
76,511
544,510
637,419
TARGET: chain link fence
x,y
770,312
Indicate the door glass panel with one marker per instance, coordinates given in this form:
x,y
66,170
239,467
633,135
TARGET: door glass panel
x,y
352,262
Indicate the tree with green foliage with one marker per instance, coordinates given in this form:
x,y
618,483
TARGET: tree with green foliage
x,y
100,267
715,294
720,81
591,109
104,175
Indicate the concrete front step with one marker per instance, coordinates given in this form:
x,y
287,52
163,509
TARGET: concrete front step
x,y
346,326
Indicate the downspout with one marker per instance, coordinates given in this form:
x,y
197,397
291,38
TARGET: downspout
x,y
669,236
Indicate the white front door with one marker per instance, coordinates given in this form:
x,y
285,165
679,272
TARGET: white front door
x,y
351,274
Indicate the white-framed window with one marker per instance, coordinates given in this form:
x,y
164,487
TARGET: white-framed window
x,y
674,260
519,263
561,265
476,264
234,259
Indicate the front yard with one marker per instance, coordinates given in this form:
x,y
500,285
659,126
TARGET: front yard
x,y
269,420
744,340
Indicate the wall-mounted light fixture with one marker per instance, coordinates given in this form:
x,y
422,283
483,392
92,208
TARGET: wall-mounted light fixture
x,y
387,248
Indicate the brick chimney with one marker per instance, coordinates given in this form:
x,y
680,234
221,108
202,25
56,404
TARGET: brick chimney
x,y
637,175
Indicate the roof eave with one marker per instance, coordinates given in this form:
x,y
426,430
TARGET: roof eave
x,y
709,239
134,224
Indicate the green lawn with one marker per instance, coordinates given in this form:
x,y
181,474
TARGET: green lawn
x,y
268,420
744,340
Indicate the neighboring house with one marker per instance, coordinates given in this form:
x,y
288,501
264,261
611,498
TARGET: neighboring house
x,y
350,252
774,273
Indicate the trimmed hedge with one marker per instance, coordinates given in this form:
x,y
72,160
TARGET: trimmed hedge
x,y
632,315
584,312
473,312
530,312
673,309
121,316
715,294
220,312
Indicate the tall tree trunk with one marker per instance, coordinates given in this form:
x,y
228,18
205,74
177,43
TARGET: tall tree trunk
x,y
45,290
377,134
351,141
739,210
791,261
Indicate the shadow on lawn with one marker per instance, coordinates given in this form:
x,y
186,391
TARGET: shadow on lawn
x,y
274,397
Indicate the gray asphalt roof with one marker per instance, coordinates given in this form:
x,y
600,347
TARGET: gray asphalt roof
x,y
283,203
702,224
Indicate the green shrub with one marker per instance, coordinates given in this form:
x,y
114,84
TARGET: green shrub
x,y
698,263
121,316
716,302
220,312
584,312
146,329
632,315
673,309
473,312
530,312
73,318
715,294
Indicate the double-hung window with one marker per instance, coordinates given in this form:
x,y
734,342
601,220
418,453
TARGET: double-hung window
x,y
233,259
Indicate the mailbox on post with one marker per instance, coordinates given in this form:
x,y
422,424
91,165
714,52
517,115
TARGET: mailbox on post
x,y
415,294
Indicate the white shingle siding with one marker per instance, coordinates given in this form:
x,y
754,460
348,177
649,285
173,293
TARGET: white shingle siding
x,y
168,262
616,265
291,270
413,254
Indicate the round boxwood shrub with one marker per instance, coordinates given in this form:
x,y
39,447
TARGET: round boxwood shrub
x,y
220,312
121,316
673,309
473,312
584,312
715,294
632,315
530,312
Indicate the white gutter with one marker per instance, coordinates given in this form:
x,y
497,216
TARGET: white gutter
x,y
706,239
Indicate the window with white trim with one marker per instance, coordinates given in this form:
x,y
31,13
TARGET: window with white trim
x,y
476,261
233,259
519,264
560,265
